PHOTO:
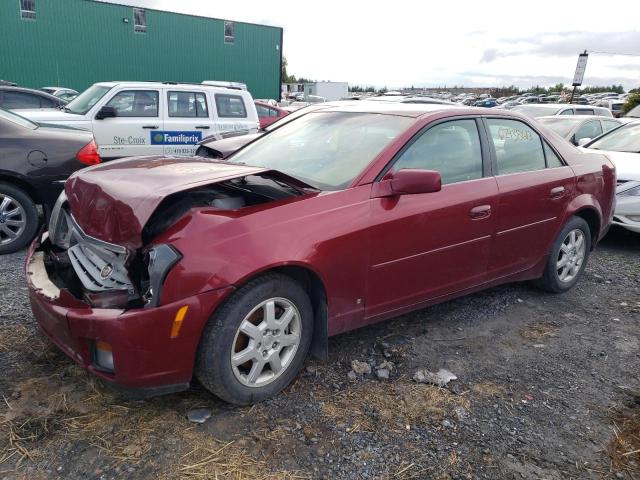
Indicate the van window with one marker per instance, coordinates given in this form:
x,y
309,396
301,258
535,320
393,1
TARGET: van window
x,y
230,106
187,104
135,103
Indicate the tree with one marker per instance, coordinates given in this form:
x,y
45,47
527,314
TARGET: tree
x,y
632,101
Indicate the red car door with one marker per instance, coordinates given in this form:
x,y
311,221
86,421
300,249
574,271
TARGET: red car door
x,y
535,187
424,246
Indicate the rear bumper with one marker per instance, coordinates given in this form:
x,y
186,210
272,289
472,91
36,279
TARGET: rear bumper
x,y
145,357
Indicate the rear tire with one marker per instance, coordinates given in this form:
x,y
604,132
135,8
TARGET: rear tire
x,y
256,342
18,218
568,257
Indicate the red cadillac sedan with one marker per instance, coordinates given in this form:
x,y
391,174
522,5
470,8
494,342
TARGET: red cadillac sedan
x,y
155,270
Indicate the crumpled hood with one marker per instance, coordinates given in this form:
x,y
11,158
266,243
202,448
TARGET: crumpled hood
x,y
113,201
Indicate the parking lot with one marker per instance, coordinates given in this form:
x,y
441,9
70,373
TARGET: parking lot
x,y
545,389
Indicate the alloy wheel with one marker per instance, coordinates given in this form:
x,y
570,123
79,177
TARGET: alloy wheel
x,y
13,219
571,255
266,342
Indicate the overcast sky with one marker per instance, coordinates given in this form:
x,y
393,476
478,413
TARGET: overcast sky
x,y
405,43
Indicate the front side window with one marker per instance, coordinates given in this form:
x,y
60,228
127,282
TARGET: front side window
x,y
590,129
451,148
262,111
584,111
609,124
28,9
229,32
139,20
518,147
135,103
230,106
327,150
187,104
567,112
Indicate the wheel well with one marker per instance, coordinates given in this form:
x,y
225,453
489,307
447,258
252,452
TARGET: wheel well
x,y
318,296
28,189
590,216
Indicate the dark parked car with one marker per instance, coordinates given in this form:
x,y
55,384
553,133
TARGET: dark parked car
x,y
487,103
34,162
156,268
12,98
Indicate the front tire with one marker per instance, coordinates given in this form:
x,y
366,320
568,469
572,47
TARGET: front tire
x,y
568,257
256,342
18,219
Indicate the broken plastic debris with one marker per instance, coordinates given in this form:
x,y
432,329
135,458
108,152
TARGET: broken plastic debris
x,y
441,378
199,415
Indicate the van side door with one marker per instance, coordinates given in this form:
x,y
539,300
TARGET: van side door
x,y
188,119
234,113
130,132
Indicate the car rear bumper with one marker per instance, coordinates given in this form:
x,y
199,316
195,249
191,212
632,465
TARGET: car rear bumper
x,y
145,357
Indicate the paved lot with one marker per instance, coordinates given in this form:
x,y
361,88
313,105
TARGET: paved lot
x,y
543,381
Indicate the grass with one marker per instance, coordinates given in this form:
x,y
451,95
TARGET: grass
x,y
538,331
624,448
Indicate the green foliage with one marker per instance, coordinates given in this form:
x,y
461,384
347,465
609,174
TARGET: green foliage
x,y
632,101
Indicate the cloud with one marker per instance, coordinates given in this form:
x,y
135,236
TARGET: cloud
x,y
566,44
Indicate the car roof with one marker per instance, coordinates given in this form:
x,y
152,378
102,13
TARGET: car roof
x,y
28,90
392,108
583,117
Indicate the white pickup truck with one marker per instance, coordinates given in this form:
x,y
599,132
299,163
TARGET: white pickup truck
x,y
154,118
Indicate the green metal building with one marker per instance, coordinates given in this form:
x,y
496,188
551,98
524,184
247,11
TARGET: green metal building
x,y
75,43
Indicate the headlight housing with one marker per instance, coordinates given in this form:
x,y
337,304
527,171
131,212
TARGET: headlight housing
x,y
159,260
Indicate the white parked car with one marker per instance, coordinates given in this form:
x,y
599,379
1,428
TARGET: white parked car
x,y
622,146
153,118
546,109
579,129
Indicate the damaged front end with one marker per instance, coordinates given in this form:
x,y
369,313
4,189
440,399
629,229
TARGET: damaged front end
x,y
107,275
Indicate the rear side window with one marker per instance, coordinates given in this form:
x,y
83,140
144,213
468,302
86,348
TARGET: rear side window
x,y
20,100
567,112
584,111
518,147
451,148
608,125
187,104
230,106
553,161
135,103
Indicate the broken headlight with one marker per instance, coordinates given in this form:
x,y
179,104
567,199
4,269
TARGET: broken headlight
x,y
159,260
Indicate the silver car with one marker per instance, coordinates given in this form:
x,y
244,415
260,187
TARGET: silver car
x,y
546,109
579,129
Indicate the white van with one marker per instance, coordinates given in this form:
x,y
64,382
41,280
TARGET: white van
x,y
153,118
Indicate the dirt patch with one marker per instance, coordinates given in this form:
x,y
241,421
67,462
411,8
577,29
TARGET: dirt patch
x,y
624,449
539,331
488,389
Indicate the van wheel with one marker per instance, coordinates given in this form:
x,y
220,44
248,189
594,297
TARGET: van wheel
x,y
256,342
568,257
18,219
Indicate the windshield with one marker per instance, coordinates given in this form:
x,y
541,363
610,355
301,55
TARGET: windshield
x,y
86,100
562,126
17,119
327,150
537,111
623,139
634,112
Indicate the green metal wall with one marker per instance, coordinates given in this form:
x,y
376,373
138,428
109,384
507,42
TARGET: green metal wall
x,y
75,43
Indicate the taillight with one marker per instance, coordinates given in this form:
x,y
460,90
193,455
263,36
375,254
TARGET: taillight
x,y
89,154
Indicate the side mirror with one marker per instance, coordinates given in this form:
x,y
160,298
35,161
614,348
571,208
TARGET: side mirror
x,y
583,141
408,181
106,112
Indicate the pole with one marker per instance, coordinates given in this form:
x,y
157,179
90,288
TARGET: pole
x,y
573,92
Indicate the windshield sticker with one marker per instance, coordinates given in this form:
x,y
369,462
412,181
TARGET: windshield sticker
x,y
514,134
160,137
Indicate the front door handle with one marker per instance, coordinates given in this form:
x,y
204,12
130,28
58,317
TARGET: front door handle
x,y
152,127
203,127
479,212
557,192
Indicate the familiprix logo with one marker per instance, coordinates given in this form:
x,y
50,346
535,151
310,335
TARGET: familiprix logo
x,y
161,137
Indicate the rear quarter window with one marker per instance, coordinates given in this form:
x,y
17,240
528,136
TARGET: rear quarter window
x,y
230,106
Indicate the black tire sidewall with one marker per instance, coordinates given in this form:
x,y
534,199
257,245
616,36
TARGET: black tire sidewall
x,y
550,280
32,218
213,363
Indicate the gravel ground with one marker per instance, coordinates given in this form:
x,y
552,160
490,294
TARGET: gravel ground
x,y
547,387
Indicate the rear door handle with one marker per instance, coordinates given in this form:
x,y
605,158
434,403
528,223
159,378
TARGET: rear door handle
x,y
203,127
479,212
557,192
153,127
